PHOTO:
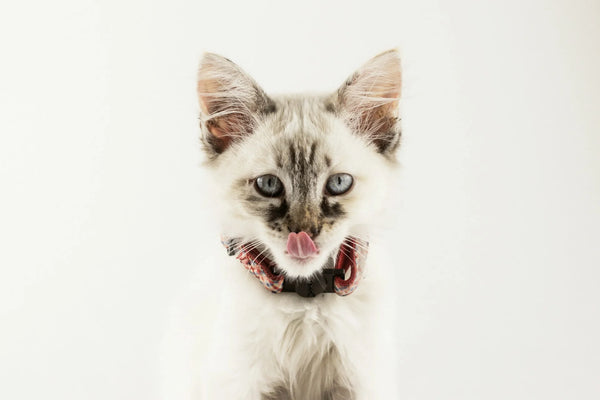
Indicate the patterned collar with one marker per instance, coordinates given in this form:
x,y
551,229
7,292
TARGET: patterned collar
x,y
348,263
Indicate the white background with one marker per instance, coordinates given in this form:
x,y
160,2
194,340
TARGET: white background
x,y
102,210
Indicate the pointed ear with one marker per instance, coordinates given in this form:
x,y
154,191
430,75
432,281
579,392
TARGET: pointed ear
x,y
368,101
231,103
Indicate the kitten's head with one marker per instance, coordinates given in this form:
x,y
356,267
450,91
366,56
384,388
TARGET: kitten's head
x,y
297,175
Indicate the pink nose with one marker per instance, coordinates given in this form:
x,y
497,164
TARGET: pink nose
x,y
300,245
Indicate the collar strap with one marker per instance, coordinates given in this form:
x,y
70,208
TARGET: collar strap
x,y
331,279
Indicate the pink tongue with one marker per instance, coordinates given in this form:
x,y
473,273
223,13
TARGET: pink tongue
x,y
300,245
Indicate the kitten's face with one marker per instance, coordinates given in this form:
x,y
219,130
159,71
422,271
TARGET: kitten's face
x,y
297,165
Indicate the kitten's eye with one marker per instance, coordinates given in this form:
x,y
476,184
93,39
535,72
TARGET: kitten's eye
x,y
339,184
269,185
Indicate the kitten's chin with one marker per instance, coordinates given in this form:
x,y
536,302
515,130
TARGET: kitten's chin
x,y
294,267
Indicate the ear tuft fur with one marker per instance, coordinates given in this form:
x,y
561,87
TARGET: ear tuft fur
x,y
230,102
368,100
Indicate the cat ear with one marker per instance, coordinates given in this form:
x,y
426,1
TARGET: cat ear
x,y
230,102
368,101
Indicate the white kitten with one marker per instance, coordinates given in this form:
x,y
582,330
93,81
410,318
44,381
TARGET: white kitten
x,y
297,307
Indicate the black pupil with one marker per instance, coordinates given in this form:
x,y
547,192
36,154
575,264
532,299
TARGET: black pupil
x,y
269,185
339,184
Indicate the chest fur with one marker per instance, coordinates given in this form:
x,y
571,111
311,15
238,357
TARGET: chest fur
x,y
312,364
285,347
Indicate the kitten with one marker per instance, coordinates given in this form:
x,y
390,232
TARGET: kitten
x,y
303,311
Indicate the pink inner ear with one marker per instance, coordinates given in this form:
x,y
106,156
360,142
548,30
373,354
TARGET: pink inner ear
x,y
205,87
391,95
215,127
230,125
233,118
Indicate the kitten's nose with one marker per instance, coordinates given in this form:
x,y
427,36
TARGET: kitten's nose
x,y
312,231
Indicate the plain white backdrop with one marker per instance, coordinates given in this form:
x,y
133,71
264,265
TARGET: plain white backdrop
x,y
102,210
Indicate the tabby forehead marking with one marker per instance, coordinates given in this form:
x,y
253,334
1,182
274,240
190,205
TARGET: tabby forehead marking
x,y
304,207
299,152
303,169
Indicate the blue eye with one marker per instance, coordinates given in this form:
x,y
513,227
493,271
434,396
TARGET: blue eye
x,y
339,184
269,185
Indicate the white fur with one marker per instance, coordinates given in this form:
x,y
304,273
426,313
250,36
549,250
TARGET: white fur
x,y
236,350
230,338
242,343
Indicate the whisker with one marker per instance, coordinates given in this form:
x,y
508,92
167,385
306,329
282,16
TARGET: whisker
x,y
266,251
359,245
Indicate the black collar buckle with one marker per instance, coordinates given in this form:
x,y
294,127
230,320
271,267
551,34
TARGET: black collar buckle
x,y
323,282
